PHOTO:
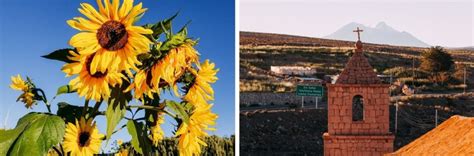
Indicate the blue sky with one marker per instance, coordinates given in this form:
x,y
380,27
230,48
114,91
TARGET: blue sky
x,y
30,29
436,22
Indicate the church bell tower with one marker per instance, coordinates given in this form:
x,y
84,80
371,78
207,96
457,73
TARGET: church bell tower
x,y
358,110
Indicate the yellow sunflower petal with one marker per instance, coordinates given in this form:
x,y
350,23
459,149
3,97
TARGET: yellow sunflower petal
x,y
126,8
110,17
83,39
82,138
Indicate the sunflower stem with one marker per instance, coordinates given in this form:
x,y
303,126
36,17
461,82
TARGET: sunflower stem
x,y
49,108
121,127
170,114
57,151
96,107
152,108
62,149
143,118
135,113
84,109
145,107
45,100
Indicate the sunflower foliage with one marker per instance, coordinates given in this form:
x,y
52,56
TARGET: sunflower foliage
x,y
128,68
215,146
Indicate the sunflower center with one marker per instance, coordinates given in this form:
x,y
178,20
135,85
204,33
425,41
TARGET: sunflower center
x,y
112,35
84,138
97,74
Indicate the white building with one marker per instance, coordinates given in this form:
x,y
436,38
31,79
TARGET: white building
x,y
292,70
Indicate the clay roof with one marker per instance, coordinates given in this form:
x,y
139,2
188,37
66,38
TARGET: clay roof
x,y
358,71
454,136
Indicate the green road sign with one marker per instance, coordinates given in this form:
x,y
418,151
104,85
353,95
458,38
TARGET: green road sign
x,y
309,90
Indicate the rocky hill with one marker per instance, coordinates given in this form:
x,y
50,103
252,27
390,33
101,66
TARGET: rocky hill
x,y
381,33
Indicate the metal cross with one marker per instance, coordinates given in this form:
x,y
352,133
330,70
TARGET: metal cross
x,y
358,32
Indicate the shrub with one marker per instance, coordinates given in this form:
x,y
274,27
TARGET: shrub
x,y
436,59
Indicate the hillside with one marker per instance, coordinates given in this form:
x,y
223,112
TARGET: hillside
x,y
259,51
258,39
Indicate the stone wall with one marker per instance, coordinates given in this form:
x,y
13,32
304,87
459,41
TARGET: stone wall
x,y
267,98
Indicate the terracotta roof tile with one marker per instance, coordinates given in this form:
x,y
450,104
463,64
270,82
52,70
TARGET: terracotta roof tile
x,y
358,71
454,136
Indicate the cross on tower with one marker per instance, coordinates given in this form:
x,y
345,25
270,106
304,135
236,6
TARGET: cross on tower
x,y
358,32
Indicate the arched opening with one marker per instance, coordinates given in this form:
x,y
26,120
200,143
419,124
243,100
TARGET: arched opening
x,y
357,108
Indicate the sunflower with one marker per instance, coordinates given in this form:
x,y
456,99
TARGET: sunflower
x,y
173,65
119,142
157,133
169,69
27,97
83,138
92,86
191,55
201,91
122,152
110,34
19,84
190,134
146,82
177,60
142,85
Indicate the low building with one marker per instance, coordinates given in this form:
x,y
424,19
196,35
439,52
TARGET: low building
x,y
292,70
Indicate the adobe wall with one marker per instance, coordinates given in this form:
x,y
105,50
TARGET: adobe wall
x,y
266,98
376,110
341,145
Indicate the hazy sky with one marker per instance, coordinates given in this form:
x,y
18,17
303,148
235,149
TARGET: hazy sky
x,y
436,22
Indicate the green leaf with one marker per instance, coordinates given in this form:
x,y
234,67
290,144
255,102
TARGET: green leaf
x,y
65,89
34,134
161,26
178,109
173,42
60,55
113,114
152,116
70,112
140,141
116,108
8,137
184,30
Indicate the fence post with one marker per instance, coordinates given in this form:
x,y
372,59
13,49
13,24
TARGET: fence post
x,y
302,101
436,117
396,117
317,99
465,86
